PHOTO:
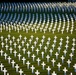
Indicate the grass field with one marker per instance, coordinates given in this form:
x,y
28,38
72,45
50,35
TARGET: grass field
x,y
46,39
39,35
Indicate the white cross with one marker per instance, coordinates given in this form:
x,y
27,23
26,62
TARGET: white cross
x,y
32,67
38,60
42,41
67,41
26,30
53,61
65,70
32,47
62,31
56,55
67,29
24,50
9,29
55,37
25,39
42,53
54,73
45,48
19,56
19,47
66,46
41,29
59,65
18,30
73,44
55,41
30,41
9,36
13,62
9,59
10,42
73,49
53,46
67,37
33,56
18,40
40,45
44,30
2,43
51,52
28,63
68,62
27,45
65,52
71,31
43,65
13,38
37,39
28,53
1,51
5,71
1,38
6,40
48,69
20,36
74,39
35,43
15,45
62,58
10,50
49,29
37,51
6,47
37,72
23,59
60,43
48,57
22,43
61,39
71,55
35,30
32,29
43,37
47,43
59,49
1,65
15,52
32,36
49,39
20,71
53,30
74,67
16,67
5,55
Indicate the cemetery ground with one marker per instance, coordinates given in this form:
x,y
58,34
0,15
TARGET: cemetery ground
x,y
26,71
38,39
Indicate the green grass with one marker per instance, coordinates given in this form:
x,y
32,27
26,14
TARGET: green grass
x,y
39,34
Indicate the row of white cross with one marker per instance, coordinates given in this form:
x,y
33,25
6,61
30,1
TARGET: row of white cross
x,y
40,28
17,54
3,69
35,7
10,61
31,19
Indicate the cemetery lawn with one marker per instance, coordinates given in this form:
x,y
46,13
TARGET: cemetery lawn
x,y
39,35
